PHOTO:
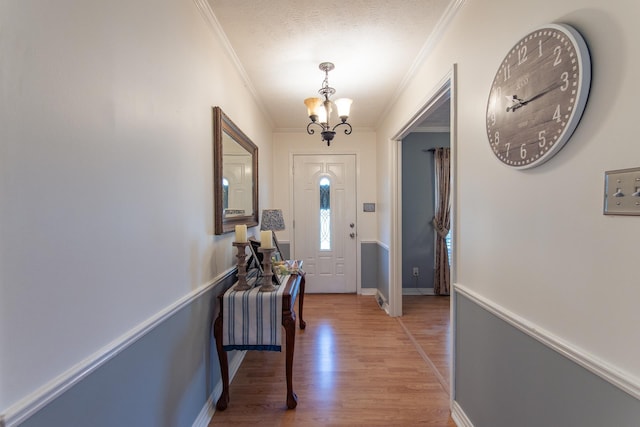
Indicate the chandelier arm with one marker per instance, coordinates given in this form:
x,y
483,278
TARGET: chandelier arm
x,y
347,131
311,131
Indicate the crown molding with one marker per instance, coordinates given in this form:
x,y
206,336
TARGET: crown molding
x,y
214,25
425,51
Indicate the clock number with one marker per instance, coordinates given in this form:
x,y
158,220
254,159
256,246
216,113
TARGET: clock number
x,y
557,51
492,116
565,78
497,138
507,72
508,144
556,114
539,48
522,54
542,141
523,151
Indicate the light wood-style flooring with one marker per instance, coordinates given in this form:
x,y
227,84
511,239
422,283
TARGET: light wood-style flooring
x,y
353,366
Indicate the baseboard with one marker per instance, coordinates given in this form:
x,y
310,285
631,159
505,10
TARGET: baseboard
x,y
29,405
624,381
368,291
382,302
459,417
204,417
417,291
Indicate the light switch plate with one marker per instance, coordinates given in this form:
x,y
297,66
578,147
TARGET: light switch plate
x,y
622,192
368,207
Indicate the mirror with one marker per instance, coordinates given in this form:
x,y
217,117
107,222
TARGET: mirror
x,y
235,175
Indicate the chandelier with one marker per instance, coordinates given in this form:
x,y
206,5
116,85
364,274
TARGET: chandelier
x,y
320,109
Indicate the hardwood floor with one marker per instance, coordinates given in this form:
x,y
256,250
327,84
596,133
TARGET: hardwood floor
x,y
353,366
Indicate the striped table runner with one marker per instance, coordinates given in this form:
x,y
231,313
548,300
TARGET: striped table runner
x,y
252,320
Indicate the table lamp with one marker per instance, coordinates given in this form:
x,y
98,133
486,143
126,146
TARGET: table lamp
x,y
273,220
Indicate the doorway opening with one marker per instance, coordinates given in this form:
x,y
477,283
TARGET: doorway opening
x,y
437,113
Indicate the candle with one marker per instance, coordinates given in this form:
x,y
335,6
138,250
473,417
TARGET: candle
x,y
241,233
265,239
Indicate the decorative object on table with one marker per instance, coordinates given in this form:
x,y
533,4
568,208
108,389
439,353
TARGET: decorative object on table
x,y
287,267
320,109
242,266
267,272
272,220
257,256
538,95
235,176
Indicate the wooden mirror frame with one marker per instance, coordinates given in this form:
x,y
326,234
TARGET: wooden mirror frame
x,y
222,123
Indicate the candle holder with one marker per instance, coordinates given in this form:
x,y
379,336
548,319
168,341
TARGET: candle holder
x,y
267,284
242,266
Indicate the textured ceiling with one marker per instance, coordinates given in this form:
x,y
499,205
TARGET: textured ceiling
x,y
373,44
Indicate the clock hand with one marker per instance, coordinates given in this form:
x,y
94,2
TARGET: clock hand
x,y
549,89
517,102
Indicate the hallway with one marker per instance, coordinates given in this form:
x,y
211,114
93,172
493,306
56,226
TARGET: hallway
x,y
353,365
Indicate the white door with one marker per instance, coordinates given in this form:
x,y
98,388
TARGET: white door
x,y
324,214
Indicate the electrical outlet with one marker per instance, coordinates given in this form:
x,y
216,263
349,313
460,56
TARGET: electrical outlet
x,y
416,271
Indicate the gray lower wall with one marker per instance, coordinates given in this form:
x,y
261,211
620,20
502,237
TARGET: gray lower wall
x,y
506,378
375,268
382,264
369,258
161,380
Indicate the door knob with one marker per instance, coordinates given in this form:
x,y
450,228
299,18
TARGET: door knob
x,y
352,225
352,235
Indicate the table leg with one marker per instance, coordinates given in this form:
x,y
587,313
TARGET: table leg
x,y
289,323
223,401
303,324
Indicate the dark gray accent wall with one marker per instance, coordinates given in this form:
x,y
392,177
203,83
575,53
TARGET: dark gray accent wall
x,y
506,378
374,267
368,258
161,380
418,207
382,269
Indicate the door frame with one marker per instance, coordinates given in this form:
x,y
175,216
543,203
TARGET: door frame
x,y
292,154
447,86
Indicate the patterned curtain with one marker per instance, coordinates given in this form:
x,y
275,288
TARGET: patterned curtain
x,y
441,222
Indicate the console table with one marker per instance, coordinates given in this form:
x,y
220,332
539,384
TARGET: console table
x,y
291,286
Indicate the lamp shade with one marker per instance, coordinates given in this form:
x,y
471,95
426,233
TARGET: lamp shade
x,y
272,219
313,106
344,106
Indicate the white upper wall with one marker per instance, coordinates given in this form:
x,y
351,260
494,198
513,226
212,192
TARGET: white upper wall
x,y
106,174
536,241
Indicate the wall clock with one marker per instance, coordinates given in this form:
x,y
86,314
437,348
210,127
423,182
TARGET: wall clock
x,y
538,95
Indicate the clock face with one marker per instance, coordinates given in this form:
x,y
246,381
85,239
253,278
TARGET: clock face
x,y
538,96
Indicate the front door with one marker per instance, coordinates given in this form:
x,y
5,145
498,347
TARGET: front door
x,y
324,214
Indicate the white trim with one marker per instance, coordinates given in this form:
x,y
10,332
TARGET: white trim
x,y
213,23
459,417
382,302
368,291
209,409
443,90
619,378
437,33
29,405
